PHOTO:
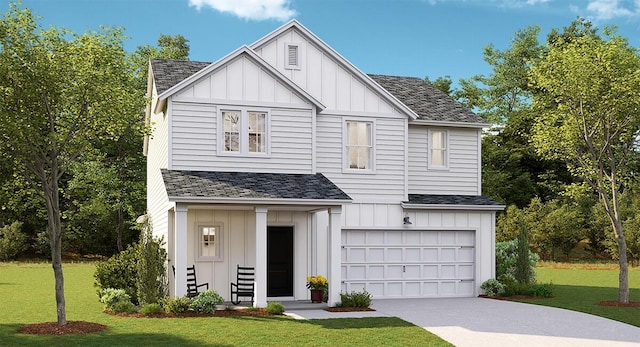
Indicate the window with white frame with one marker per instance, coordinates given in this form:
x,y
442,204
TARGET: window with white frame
x,y
359,145
209,240
438,151
244,132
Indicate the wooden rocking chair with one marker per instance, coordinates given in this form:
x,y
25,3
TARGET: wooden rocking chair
x,y
244,286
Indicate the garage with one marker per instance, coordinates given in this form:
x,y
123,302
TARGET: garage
x,y
409,263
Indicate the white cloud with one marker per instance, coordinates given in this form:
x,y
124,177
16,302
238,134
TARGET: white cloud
x,y
250,9
609,9
535,2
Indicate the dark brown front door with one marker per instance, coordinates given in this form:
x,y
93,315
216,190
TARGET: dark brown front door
x,y
279,261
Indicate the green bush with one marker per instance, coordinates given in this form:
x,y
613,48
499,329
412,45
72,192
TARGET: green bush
x,y
118,272
151,281
492,287
507,255
355,299
12,241
125,307
176,305
112,296
206,302
151,309
544,290
275,307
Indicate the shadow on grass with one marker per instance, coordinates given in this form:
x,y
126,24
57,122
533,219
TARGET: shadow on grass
x,y
360,323
9,336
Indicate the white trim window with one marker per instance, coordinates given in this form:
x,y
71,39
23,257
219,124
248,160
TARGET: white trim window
x,y
209,242
359,146
438,149
244,132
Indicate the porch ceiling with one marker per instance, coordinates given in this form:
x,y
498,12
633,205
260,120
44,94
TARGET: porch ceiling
x,y
251,188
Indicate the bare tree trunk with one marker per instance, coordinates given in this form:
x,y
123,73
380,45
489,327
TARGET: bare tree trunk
x,y
52,201
120,228
623,276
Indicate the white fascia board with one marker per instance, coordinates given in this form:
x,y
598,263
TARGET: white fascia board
x,y
311,202
229,57
453,207
336,56
449,124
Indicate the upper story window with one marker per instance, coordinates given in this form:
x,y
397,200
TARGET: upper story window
x,y
438,149
209,240
359,146
244,132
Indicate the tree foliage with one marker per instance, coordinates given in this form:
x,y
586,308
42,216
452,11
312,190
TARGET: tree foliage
x,y
60,92
588,101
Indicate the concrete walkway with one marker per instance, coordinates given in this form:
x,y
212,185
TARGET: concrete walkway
x,y
482,322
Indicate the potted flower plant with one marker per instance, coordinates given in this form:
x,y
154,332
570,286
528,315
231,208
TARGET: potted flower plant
x,y
317,284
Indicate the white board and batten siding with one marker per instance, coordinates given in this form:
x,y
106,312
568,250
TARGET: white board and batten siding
x,y
240,84
462,177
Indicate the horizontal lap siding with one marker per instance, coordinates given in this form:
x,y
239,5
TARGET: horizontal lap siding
x,y
195,135
156,160
387,183
462,177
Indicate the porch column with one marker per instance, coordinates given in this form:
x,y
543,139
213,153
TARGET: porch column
x,y
261,258
180,249
335,255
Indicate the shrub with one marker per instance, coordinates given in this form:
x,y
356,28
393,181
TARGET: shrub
x,y
544,290
275,307
125,307
506,258
112,296
206,302
355,299
118,272
492,287
176,305
12,241
150,309
151,282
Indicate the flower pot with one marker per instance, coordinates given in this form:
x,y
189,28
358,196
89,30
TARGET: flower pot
x,y
316,295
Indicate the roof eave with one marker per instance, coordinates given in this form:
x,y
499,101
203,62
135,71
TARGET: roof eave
x,y
410,206
479,125
258,201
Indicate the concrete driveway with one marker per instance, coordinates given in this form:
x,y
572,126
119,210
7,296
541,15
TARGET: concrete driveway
x,y
487,322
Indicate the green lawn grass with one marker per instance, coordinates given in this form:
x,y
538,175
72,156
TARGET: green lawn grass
x,y
27,296
580,287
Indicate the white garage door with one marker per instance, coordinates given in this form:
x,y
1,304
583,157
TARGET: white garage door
x,y
409,263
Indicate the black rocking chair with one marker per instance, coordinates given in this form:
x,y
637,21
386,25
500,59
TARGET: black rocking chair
x,y
244,286
192,283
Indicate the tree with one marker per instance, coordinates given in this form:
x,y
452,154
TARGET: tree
x,y
169,47
588,103
60,92
443,84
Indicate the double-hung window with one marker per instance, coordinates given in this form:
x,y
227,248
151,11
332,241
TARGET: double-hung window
x,y
244,132
438,151
359,146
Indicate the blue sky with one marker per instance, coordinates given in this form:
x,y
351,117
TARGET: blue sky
x,y
395,37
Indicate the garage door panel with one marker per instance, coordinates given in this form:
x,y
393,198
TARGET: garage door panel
x,y
409,263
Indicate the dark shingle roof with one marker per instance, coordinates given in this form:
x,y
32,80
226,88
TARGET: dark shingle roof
x,y
167,72
467,200
250,185
426,101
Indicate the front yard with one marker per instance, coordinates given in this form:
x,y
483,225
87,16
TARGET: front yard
x,y
27,296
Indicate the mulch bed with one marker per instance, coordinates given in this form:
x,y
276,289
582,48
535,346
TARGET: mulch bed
x,y
617,304
219,313
348,309
52,328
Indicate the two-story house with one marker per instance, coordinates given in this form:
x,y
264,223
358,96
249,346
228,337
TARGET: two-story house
x,y
284,156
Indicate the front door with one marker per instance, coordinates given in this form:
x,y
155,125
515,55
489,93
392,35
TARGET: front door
x,y
279,261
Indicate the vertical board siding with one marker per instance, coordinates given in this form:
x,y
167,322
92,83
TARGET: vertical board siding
x,y
387,183
462,175
195,135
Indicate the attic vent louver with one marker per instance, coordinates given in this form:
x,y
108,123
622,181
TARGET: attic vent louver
x,y
293,56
